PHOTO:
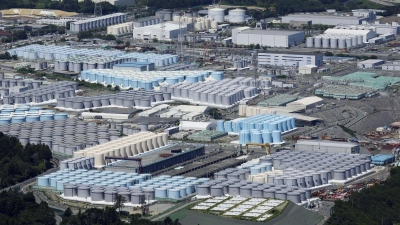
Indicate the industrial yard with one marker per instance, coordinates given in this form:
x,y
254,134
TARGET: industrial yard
x,y
210,115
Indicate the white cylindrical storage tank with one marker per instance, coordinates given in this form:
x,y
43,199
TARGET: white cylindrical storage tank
x,y
214,24
217,14
342,43
325,42
349,42
360,39
354,41
310,42
237,16
317,42
334,42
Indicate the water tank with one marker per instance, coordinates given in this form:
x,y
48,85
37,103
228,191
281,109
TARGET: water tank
x,y
217,14
281,195
349,42
203,190
237,16
360,39
83,191
317,42
97,195
276,136
257,192
70,190
339,174
310,42
269,193
245,191
354,41
176,194
294,197
325,42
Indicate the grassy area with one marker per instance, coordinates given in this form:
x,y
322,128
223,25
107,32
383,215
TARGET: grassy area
x,y
347,130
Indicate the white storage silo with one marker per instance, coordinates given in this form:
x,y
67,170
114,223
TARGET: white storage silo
x,y
317,42
310,42
354,41
217,14
342,43
214,24
360,39
349,42
325,42
334,42
237,16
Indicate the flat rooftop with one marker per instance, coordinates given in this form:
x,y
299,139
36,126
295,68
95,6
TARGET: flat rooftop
x,y
327,143
271,32
290,53
325,16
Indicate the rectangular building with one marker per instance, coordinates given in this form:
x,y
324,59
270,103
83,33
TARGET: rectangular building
x,y
289,59
392,66
327,146
268,38
370,63
61,23
154,31
306,103
325,19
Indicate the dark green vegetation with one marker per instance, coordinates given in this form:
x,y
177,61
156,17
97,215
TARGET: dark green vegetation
x,y
90,34
109,216
378,204
66,5
347,130
18,163
7,56
21,209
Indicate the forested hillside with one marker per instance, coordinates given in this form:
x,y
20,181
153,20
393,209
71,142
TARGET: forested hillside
x,y
379,204
85,6
18,163
21,209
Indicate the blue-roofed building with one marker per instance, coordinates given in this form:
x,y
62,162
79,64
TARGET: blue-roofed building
x,y
138,66
382,159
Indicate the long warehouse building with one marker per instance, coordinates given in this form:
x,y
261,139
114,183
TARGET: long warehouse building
x,y
289,59
269,38
311,146
324,19
97,22
151,32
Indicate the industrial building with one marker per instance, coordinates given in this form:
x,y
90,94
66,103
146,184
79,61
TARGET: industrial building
x,y
172,30
289,59
326,19
268,38
395,65
315,146
306,103
307,69
370,63
124,147
94,23
190,125
60,22
378,28
120,29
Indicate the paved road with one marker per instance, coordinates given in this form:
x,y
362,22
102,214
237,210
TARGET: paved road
x,y
166,213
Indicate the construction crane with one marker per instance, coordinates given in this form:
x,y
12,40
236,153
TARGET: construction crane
x,y
138,160
267,147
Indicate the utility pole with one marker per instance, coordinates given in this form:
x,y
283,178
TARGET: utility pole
x,y
162,45
97,8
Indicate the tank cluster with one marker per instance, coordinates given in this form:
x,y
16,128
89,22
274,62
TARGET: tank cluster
x,y
80,63
24,113
62,136
57,52
285,175
11,86
225,92
124,147
77,163
157,59
103,186
131,98
43,94
262,128
147,80
97,22
340,41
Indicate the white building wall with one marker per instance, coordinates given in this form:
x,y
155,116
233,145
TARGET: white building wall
x,y
286,59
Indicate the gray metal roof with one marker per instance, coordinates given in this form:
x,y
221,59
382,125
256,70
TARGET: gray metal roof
x,y
327,143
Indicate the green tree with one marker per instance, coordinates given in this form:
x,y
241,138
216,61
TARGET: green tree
x,y
68,212
119,202
257,46
84,35
155,40
119,42
127,43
